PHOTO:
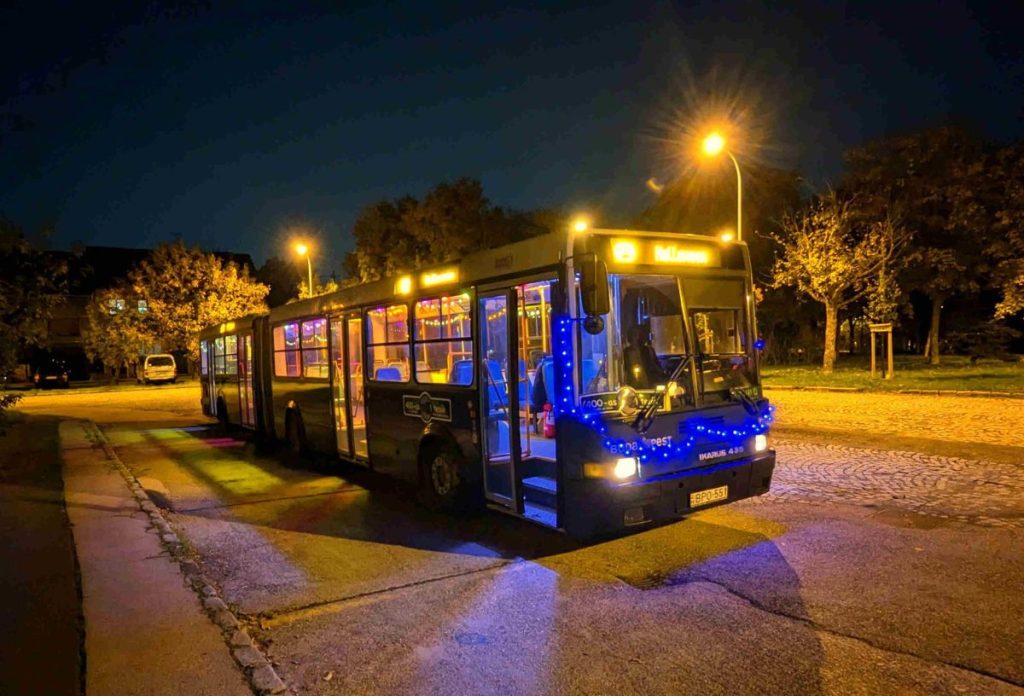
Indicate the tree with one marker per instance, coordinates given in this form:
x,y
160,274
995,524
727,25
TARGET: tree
x,y
1006,246
282,277
319,287
188,289
936,178
31,287
452,220
831,254
119,331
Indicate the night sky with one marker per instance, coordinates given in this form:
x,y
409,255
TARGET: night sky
x,y
134,124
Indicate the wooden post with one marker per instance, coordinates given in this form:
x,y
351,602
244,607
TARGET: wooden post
x,y
889,373
887,330
873,342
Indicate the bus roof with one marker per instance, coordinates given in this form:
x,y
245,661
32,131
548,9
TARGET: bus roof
x,y
519,258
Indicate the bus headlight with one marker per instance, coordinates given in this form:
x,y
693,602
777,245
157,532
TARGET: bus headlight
x,y
760,443
627,401
625,467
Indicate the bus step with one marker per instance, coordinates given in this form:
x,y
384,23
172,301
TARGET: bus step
x,y
542,490
542,514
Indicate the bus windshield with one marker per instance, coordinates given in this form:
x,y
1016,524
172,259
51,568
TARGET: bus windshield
x,y
645,338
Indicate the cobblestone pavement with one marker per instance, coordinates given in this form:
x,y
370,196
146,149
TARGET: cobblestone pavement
x,y
982,493
992,421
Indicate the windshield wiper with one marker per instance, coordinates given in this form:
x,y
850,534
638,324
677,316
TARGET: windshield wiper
x,y
645,416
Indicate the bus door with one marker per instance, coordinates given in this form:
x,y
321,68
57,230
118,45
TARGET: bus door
x,y
246,398
347,386
499,407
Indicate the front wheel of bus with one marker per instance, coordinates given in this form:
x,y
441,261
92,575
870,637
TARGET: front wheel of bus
x,y
444,484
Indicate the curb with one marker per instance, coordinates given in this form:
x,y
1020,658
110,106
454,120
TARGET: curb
x,y
262,676
916,392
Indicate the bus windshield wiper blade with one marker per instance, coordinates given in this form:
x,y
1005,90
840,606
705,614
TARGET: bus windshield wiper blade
x,y
645,416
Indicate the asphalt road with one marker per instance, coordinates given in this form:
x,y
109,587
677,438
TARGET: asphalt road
x,y
889,558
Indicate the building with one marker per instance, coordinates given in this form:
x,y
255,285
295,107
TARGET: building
x,y
91,269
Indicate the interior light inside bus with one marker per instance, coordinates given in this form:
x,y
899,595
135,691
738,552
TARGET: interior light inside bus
x,y
624,251
403,286
442,277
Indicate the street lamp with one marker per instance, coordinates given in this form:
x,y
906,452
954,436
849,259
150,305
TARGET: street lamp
x,y
303,250
714,144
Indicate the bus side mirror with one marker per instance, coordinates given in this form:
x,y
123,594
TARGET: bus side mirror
x,y
594,286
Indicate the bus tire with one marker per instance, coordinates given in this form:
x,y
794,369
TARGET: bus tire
x,y
444,483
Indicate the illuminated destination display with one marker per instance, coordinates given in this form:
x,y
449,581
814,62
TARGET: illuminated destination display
x,y
441,277
663,253
672,253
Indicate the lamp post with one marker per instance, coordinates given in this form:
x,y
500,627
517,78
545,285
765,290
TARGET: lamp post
x,y
713,144
303,250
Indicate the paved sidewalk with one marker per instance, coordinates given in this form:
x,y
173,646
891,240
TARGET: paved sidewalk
x,y
145,632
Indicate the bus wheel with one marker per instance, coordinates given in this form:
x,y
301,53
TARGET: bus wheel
x,y
443,482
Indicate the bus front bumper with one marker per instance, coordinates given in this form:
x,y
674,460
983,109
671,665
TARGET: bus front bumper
x,y
593,507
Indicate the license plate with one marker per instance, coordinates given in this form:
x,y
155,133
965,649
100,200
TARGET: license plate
x,y
708,496
51,377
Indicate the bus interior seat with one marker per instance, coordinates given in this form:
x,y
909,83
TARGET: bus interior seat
x,y
548,367
388,374
462,373
503,442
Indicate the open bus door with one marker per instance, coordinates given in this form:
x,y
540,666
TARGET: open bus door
x,y
516,390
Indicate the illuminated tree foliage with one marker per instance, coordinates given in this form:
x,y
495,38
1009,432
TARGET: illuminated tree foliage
x,y
320,287
119,334
452,220
833,255
188,289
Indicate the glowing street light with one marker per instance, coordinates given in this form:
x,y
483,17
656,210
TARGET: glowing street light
x,y
712,145
303,250
580,225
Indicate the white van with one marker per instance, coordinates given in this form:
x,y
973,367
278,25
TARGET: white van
x,y
158,368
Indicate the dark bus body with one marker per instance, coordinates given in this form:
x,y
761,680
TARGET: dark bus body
x,y
515,378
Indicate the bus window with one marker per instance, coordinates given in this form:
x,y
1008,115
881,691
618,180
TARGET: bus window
x,y
231,355
286,350
387,339
204,355
219,367
314,349
443,346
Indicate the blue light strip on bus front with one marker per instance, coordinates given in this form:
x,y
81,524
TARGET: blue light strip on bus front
x,y
644,451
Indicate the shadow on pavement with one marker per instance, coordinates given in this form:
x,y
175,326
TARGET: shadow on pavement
x,y
335,499
42,638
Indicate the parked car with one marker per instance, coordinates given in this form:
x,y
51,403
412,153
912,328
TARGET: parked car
x,y
158,368
52,372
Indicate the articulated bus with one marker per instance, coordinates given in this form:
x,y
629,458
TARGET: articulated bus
x,y
592,381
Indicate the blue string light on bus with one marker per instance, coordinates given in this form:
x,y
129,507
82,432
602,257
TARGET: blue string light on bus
x,y
694,428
